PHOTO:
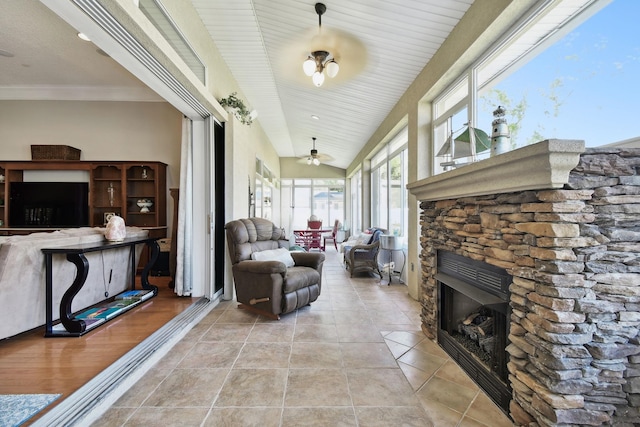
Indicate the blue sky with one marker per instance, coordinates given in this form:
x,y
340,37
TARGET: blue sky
x,y
597,71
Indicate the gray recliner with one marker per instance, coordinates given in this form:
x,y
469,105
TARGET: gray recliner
x,y
269,287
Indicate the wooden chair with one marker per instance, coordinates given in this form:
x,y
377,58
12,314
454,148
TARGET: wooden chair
x,y
332,236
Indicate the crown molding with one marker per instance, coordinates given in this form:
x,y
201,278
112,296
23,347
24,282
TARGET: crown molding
x,y
78,93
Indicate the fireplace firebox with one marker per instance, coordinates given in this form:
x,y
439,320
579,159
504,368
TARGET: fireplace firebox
x,y
473,327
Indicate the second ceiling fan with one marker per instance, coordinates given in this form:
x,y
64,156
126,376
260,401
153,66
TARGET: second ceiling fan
x,y
315,158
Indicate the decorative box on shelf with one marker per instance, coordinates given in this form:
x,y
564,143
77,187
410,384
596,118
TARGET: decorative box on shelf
x,y
54,152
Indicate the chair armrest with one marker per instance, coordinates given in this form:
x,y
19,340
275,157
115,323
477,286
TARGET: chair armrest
x,y
261,267
372,247
368,247
308,259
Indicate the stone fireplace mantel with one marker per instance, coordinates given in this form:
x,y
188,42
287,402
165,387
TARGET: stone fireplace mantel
x,y
562,221
544,165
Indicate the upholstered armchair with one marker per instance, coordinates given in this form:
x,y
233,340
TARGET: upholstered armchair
x,y
363,255
269,279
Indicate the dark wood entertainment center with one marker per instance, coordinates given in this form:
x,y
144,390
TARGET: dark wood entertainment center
x,y
115,187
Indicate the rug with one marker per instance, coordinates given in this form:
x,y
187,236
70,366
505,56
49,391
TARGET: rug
x,y
15,409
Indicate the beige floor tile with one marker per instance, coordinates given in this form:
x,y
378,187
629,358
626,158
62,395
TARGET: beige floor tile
x,y
315,333
211,355
237,315
380,387
423,361
114,417
240,417
441,415
264,355
317,387
485,411
316,316
167,417
188,387
361,333
452,372
431,347
449,394
415,376
407,338
253,387
397,349
352,317
139,392
367,355
318,417
409,416
228,332
271,332
315,355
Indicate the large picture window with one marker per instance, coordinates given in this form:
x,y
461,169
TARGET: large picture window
x,y
565,71
302,198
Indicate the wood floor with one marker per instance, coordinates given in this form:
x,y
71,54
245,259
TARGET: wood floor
x,y
31,364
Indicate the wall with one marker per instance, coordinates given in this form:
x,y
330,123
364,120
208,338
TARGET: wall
x,y
291,168
102,130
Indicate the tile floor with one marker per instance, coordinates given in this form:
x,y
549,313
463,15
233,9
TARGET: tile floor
x,y
355,357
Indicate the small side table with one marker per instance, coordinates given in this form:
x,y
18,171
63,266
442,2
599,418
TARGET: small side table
x,y
391,244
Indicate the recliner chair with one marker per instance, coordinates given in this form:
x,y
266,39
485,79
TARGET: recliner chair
x,y
282,281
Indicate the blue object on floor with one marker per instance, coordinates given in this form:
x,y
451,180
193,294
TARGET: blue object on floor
x,y
15,409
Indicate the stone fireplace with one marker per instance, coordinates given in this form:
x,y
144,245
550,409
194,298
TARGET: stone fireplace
x,y
564,224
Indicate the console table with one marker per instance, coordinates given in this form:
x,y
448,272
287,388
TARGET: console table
x,y
75,255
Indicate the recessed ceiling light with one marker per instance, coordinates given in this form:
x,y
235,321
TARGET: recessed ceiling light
x,y
84,37
313,116
6,53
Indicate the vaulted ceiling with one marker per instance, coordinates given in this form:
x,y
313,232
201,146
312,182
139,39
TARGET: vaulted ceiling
x,y
381,47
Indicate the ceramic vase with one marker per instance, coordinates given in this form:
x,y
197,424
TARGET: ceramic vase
x,y
116,230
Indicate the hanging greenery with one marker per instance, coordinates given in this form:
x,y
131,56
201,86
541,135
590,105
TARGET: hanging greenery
x,y
238,108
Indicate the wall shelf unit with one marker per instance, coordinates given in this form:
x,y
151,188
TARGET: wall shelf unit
x,y
115,188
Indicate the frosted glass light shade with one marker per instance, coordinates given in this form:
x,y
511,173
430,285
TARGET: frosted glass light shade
x,y
309,66
316,161
318,78
332,68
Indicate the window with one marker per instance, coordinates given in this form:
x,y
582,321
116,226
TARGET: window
x,y
389,206
323,198
356,203
579,87
564,72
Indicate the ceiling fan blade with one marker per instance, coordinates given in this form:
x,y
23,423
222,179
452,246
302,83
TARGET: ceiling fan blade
x,y
324,157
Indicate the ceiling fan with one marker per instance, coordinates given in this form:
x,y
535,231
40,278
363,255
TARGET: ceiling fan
x,y
315,158
322,49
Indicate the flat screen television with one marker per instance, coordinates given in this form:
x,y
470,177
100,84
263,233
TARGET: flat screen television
x,y
49,204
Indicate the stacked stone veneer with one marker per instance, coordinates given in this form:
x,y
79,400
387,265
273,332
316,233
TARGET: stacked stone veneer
x,y
574,254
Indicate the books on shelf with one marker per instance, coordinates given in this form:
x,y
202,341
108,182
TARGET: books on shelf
x,y
108,309
138,294
103,312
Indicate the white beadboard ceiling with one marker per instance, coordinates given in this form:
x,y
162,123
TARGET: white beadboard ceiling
x,y
264,43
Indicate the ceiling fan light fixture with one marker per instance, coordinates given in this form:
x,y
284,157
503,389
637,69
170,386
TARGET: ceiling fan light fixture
x,y
320,60
316,161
